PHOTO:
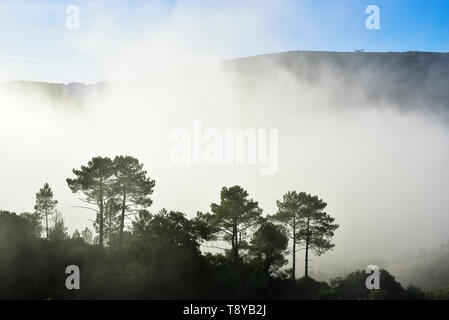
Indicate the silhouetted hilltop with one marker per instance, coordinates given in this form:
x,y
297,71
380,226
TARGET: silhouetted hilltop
x,y
72,93
406,80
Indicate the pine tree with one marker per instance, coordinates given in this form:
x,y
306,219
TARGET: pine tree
x,y
132,187
233,218
45,206
309,225
94,182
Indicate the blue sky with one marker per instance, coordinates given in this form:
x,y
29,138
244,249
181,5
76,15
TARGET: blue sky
x,y
35,44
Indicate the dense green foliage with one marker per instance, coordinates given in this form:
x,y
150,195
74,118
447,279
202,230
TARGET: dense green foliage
x,y
310,227
160,256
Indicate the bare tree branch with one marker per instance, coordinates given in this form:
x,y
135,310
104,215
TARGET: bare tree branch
x,y
86,208
213,247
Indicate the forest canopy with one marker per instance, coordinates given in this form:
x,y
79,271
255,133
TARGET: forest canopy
x,y
160,256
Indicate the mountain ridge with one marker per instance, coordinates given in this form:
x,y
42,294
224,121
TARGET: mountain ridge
x,y
407,80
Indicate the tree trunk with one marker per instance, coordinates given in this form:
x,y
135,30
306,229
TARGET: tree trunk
x,y
46,224
122,222
232,242
235,250
294,250
307,249
101,217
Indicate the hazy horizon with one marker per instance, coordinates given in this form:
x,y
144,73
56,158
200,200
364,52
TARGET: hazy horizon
x,y
373,145
374,165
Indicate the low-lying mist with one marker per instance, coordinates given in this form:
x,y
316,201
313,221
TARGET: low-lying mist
x,y
368,139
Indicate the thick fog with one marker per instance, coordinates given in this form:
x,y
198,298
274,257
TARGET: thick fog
x,y
381,166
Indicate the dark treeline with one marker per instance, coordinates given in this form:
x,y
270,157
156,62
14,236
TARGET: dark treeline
x,y
159,256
